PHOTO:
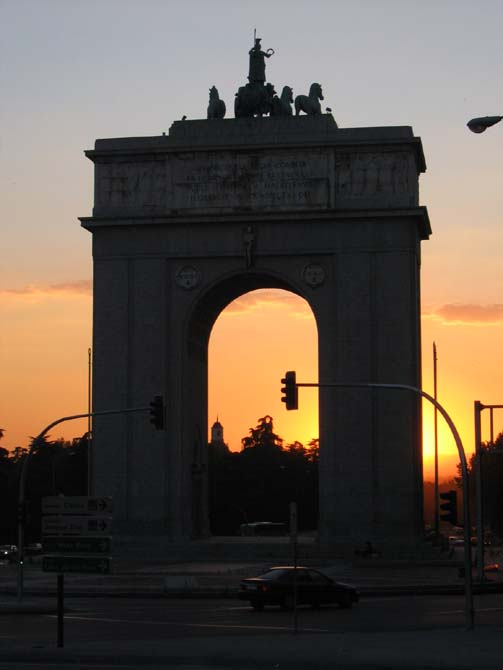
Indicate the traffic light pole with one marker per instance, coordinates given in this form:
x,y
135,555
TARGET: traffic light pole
x,y
478,408
469,611
24,471
478,491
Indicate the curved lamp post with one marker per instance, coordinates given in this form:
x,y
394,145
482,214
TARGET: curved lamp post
x,y
479,125
469,610
482,123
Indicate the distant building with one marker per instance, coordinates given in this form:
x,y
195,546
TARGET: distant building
x,y
217,436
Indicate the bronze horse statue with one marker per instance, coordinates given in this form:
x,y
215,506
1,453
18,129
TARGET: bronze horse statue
x,y
310,104
282,106
216,107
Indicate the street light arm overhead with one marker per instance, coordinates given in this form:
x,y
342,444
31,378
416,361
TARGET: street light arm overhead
x,y
482,123
469,611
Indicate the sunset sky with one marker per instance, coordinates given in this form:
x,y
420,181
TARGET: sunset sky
x,y
77,70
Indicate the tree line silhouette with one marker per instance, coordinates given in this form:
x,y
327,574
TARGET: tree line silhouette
x,y
255,484
492,490
58,466
259,482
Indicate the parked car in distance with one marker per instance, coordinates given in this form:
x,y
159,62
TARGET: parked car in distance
x,y
8,552
33,549
263,528
276,587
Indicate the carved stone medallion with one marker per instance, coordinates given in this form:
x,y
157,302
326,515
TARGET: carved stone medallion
x,y
314,274
187,277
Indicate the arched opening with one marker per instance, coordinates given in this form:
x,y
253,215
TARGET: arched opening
x,y
260,456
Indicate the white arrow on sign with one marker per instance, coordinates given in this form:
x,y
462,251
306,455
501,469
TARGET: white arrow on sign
x,y
76,525
77,505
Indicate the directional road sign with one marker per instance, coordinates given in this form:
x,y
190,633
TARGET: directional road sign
x,y
77,545
76,525
101,565
77,505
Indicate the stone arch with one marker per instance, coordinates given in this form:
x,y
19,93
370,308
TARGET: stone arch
x,y
184,223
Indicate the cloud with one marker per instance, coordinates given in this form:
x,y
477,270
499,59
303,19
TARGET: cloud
x,y
263,299
81,287
465,314
449,314
270,299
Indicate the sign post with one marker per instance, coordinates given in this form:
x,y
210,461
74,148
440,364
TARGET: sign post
x,y
61,610
293,540
75,538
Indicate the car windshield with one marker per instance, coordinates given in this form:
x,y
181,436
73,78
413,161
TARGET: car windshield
x,y
276,573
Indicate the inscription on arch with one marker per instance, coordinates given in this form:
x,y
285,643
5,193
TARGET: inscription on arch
x,y
264,181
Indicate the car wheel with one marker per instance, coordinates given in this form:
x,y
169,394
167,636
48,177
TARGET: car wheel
x,y
257,605
288,602
346,601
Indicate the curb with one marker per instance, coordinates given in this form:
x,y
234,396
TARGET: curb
x,y
218,592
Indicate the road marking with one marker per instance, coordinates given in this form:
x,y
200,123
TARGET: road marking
x,y
477,611
6,665
188,625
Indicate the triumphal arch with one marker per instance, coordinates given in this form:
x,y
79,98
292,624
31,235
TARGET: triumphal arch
x,y
185,223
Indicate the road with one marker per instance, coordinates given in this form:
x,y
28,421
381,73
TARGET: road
x,y
109,619
104,633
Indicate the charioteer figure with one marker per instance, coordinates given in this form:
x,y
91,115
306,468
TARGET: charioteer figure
x,y
255,99
257,63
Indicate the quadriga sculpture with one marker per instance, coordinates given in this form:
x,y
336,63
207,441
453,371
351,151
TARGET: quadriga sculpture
x,y
310,104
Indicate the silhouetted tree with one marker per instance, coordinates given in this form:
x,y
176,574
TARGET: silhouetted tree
x,y
55,467
8,503
263,435
492,489
313,450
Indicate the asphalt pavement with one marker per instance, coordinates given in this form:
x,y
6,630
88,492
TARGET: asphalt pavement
x,y
436,648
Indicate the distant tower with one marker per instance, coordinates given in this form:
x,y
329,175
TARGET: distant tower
x,y
217,434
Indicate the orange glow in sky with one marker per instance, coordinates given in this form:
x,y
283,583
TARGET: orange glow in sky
x,y
58,98
274,331
254,341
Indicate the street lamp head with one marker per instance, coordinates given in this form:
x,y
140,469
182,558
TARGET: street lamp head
x,y
481,123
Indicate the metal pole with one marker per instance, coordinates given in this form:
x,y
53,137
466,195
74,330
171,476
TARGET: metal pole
x,y
477,405
435,423
61,610
293,539
469,612
89,427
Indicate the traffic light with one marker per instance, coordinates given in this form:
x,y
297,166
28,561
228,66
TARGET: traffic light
x,y
290,391
157,412
450,507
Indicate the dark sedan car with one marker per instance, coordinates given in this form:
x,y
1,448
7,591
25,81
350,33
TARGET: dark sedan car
x,y
276,587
